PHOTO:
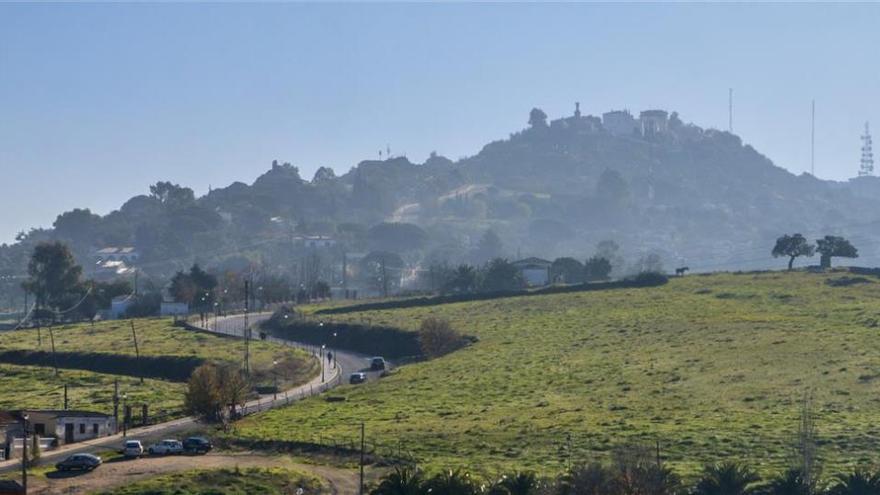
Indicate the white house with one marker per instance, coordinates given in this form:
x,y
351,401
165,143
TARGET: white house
x,y
619,122
535,271
127,254
654,122
71,426
119,305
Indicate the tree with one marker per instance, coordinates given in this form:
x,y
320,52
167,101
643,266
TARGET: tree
x,y
834,246
612,188
77,225
202,397
792,246
437,337
451,483
597,269
649,264
610,250
172,196
858,482
537,118
792,482
234,386
463,279
728,478
567,270
403,481
53,274
499,275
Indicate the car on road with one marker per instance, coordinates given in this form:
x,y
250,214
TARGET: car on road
x,y
377,363
356,378
82,462
133,448
197,445
166,447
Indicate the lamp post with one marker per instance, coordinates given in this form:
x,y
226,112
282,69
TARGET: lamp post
x,y
323,346
275,379
335,354
24,455
124,416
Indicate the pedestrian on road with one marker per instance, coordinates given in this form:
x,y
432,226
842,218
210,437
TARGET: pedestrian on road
x,y
329,357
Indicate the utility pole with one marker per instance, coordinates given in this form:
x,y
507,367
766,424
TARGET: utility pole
x,y
54,356
65,397
813,140
361,484
344,274
247,334
137,352
384,277
116,403
24,456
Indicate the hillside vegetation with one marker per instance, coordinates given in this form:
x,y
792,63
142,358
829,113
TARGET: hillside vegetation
x,y
100,354
711,367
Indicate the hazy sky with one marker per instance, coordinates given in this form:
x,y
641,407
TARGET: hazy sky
x,y
99,101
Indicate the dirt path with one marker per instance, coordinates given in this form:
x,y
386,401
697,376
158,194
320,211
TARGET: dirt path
x,y
118,473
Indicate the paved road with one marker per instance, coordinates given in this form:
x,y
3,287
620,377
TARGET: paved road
x,y
331,377
347,361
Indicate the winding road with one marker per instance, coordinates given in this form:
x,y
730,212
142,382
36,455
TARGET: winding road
x,y
333,373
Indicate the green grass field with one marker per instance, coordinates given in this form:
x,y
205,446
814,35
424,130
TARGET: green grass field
x,y
225,482
712,367
38,387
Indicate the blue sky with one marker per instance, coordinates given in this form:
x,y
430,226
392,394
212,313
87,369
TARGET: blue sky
x,y
97,101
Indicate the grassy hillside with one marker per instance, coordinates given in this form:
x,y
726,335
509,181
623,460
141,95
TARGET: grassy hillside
x,y
225,481
156,338
712,367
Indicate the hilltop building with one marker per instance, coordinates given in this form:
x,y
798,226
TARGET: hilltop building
x,y
535,271
654,122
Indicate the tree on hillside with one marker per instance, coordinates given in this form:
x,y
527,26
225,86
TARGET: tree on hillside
x,y
78,226
463,279
52,275
612,188
195,288
499,275
172,195
437,337
537,118
202,396
610,250
567,270
597,269
792,246
834,246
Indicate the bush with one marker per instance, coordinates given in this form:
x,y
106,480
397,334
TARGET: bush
x,y
437,337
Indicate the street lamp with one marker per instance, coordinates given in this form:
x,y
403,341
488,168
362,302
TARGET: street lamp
x,y
335,354
323,346
124,416
275,379
24,454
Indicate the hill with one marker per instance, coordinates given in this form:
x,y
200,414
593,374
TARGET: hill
x,y
711,367
654,184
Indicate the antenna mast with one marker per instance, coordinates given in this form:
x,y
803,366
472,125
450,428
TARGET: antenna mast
x,y
867,166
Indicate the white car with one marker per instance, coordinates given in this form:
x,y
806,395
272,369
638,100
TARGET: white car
x,y
166,447
133,448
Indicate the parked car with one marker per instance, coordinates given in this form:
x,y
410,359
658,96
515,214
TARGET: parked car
x,y
133,448
166,447
197,445
377,363
356,378
82,462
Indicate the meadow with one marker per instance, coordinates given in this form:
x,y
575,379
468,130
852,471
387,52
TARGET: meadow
x,y
37,386
271,481
706,368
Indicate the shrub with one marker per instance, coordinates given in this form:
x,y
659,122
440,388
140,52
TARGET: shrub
x,y
437,337
727,478
403,481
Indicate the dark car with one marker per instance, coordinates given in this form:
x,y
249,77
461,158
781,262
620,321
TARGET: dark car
x,y
356,378
197,445
82,462
377,364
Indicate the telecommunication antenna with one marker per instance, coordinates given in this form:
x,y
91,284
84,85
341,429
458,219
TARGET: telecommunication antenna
x,y
867,165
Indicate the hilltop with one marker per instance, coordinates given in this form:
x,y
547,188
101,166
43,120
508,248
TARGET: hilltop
x,y
652,183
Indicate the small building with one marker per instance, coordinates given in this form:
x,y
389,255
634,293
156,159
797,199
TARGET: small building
x,y
535,271
619,123
111,269
127,254
71,426
170,308
314,241
654,122
118,306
